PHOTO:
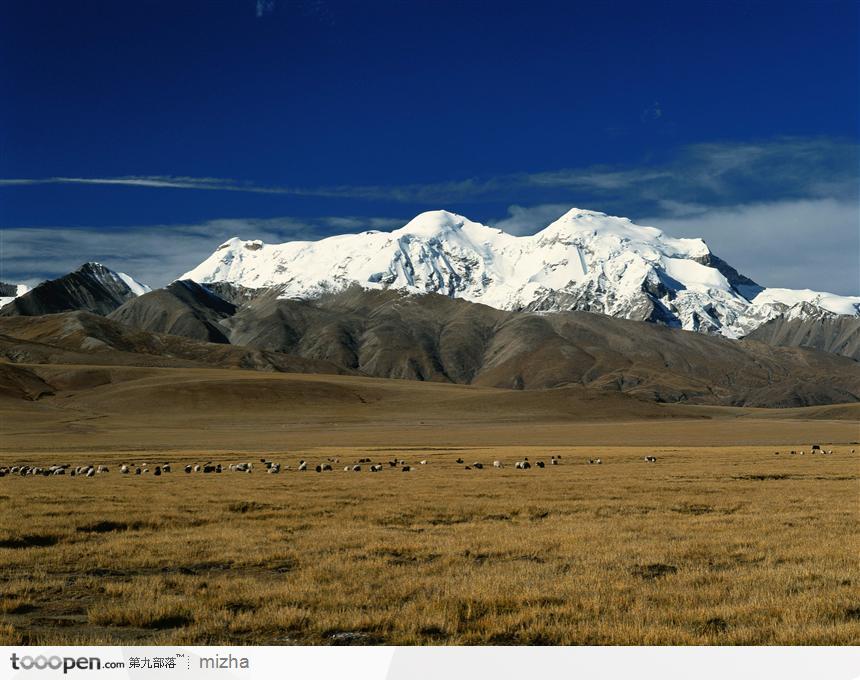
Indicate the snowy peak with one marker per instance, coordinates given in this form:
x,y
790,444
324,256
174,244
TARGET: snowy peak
x,y
586,260
10,291
92,287
108,277
433,224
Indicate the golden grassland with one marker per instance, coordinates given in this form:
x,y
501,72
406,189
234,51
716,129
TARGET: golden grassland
x,y
710,545
719,542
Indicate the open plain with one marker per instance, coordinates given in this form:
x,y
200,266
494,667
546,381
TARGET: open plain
x,y
719,542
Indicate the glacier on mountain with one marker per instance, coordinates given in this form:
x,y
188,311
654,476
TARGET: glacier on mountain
x,y
585,260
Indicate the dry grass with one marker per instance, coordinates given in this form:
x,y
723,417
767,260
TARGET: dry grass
x,y
719,545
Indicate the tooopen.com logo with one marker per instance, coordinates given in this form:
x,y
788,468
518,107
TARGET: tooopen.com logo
x,y
63,663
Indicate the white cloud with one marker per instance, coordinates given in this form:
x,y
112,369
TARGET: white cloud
x,y
810,243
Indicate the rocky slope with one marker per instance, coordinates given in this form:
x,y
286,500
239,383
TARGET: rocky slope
x,y
391,334
813,329
93,288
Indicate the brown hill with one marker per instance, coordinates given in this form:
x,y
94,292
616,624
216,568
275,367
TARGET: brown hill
x,y
434,338
84,338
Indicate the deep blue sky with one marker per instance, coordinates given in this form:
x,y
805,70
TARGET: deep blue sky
x,y
350,102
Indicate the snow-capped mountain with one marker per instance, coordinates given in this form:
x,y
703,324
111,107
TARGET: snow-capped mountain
x,y
585,260
92,287
10,291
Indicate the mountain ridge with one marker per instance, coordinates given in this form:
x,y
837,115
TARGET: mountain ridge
x,y
392,334
585,261
92,287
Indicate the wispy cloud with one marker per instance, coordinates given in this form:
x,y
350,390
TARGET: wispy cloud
x,y
264,7
652,112
712,174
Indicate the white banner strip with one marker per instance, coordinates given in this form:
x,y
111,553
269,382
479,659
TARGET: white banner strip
x,y
426,663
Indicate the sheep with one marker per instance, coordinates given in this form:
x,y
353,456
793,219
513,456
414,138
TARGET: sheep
x,y
327,467
346,468
157,472
405,468
274,469
302,466
188,469
498,464
478,466
539,464
102,469
650,459
523,465
392,463
91,472
376,468
356,468
123,469
318,468
424,462
554,461
197,467
459,461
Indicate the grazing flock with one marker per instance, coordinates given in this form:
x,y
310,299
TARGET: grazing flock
x,y
270,467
